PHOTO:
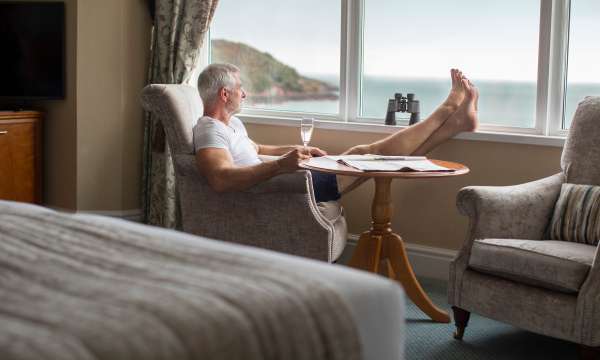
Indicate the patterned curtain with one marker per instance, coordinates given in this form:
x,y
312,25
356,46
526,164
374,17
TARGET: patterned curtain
x,y
179,30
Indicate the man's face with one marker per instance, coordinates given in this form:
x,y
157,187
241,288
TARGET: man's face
x,y
236,96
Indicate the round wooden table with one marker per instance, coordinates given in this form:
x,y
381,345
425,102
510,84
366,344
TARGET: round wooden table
x,y
380,250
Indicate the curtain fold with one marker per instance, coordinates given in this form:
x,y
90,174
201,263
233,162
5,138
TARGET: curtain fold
x,y
179,30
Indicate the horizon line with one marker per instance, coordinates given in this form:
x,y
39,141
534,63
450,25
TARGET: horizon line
x,y
312,74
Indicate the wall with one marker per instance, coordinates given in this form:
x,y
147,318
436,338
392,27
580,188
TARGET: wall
x,y
59,163
112,56
425,211
93,138
60,128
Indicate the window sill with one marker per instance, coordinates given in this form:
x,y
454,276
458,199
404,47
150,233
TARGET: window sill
x,y
480,135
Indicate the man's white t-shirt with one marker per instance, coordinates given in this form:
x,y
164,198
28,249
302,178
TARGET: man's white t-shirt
x,y
212,133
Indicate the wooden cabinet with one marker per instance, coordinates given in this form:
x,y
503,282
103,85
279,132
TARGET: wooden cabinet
x,y
20,156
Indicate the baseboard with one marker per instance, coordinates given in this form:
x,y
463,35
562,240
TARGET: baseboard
x,y
427,261
131,215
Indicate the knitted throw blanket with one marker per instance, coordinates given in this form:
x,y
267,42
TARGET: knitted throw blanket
x,y
87,288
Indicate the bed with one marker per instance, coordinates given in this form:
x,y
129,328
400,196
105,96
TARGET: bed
x,y
92,287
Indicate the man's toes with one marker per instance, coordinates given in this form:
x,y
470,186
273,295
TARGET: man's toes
x,y
455,79
467,86
474,91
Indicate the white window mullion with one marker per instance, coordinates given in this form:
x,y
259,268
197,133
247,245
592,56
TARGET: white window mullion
x,y
350,59
544,57
343,112
559,46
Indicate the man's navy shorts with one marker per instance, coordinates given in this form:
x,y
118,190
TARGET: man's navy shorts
x,y
325,186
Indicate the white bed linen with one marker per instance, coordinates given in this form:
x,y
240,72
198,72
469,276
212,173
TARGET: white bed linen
x,y
377,304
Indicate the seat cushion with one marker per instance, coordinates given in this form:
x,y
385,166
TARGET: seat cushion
x,y
555,265
577,214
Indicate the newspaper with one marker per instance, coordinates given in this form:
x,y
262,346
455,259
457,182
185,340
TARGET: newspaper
x,y
389,163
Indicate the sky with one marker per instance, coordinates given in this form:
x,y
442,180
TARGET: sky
x,y
487,39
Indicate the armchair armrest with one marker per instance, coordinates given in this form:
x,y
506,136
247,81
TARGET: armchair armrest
x,y
518,212
289,183
285,183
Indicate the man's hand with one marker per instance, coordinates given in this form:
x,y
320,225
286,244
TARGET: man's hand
x,y
311,150
291,160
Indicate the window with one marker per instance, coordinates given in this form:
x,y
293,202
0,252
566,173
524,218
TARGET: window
x,y
342,60
288,52
409,47
583,77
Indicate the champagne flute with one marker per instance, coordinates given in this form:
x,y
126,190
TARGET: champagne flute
x,y
306,129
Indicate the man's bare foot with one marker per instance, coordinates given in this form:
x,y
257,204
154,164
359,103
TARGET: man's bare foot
x,y
457,92
465,118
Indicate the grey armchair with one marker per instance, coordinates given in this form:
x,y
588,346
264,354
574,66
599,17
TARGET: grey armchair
x,y
280,214
507,270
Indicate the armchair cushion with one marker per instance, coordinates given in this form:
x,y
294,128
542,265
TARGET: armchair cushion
x,y
555,265
576,215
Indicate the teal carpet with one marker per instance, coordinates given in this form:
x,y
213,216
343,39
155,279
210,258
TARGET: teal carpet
x,y
484,338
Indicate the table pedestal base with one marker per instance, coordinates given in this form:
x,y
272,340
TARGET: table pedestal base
x,y
381,251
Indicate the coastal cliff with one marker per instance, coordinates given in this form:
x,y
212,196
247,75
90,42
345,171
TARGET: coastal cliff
x,y
266,79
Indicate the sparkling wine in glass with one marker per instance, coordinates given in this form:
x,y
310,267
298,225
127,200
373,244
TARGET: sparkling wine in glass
x,y
306,129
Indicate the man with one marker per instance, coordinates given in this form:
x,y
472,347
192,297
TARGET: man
x,y
229,159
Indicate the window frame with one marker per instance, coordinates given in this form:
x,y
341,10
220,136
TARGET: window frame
x,y
551,83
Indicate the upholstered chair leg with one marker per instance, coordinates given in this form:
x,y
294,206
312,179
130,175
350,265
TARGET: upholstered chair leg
x,y
461,319
589,353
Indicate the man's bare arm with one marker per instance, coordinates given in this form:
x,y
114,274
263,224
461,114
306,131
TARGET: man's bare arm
x,y
217,166
282,149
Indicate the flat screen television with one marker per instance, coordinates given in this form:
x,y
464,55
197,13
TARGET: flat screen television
x,y
32,38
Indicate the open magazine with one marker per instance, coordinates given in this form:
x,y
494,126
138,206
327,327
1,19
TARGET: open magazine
x,y
389,163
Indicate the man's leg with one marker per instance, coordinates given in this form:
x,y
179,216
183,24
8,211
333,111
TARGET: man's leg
x,y
463,119
406,141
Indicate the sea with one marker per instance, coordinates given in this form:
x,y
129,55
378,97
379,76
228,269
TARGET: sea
x,y
504,103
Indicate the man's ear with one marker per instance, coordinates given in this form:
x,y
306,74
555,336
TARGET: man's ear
x,y
223,94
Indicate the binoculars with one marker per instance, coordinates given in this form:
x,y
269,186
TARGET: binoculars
x,y
402,104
